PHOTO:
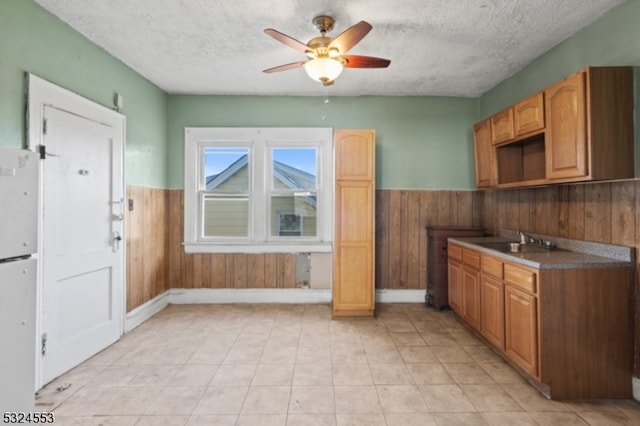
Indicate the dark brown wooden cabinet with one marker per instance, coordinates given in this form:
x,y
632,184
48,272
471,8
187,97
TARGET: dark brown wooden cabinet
x,y
437,277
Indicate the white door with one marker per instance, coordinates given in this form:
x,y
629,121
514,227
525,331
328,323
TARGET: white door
x,y
82,251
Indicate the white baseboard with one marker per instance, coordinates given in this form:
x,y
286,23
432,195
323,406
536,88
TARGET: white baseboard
x,y
145,311
248,295
636,388
182,296
400,296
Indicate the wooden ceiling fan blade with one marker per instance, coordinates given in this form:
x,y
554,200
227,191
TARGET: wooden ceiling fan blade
x,y
357,61
351,36
285,67
289,41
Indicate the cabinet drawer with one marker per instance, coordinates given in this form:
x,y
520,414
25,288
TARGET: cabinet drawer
x,y
471,258
491,266
520,277
454,252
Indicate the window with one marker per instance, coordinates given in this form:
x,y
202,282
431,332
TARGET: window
x,y
225,196
258,190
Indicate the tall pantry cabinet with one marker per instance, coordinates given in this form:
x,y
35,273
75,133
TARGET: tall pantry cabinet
x,y
353,252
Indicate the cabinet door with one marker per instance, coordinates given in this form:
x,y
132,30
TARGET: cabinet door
x,y
566,133
492,310
471,296
355,154
502,126
521,328
484,155
528,115
353,288
455,286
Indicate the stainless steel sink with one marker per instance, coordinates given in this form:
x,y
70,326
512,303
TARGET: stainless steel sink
x,y
513,247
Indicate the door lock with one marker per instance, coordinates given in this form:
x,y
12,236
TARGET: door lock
x,y
120,215
116,241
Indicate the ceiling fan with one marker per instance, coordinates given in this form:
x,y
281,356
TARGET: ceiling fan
x,y
327,55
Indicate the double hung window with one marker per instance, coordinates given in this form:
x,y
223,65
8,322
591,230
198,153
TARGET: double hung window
x,y
258,190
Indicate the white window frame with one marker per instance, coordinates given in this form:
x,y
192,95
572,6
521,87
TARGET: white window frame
x,y
260,142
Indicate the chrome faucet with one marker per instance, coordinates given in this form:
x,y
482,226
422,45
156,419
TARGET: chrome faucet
x,y
528,239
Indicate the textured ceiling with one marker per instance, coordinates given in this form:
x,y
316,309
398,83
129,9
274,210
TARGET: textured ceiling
x,y
436,47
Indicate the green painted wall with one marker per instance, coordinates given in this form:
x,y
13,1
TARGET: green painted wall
x,y
32,40
422,142
612,40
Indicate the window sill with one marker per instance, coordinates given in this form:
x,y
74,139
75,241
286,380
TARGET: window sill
x,y
316,247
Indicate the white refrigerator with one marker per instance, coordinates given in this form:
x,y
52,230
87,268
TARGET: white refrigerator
x,y
19,182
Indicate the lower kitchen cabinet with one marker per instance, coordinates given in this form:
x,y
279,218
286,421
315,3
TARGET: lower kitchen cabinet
x,y
567,331
521,328
471,296
464,284
492,310
455,285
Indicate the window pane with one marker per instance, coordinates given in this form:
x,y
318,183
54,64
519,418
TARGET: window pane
x,y
294,168
226,169
294,215
225,216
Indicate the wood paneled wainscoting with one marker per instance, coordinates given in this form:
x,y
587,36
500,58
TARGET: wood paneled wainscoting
x,y
401,237
222,270
156,260
147,237
607,212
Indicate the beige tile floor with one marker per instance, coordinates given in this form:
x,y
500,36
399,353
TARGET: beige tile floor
x,y
293,365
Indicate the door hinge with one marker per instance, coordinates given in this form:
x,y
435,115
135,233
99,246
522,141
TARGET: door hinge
x,y
42,150
44,344
44,126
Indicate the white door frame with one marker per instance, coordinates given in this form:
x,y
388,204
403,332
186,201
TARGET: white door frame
x,y
40,93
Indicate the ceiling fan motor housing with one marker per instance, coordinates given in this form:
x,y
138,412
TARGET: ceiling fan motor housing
x,y
323,23
319,48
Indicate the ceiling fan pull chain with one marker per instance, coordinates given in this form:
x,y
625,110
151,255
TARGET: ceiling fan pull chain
x,y
325,101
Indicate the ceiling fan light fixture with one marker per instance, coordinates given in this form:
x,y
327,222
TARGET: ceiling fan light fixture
x,y
333,52
326,55
324,70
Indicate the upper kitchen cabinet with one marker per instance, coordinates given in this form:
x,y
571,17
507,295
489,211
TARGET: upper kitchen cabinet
x,y
484,153
589,133
578,129
502,126
528,115
524,118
